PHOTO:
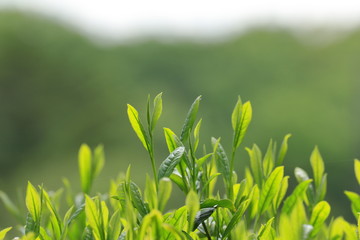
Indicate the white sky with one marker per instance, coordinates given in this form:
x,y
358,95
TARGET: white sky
x,y
197,18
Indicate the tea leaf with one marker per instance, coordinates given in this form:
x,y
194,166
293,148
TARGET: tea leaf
x,y
197,134
319,214
296,195
4,232
169,164
255,163
165,188
177,219
242,124
93,217
202,215
137,125
153,219
283,150
321,191
236,114
172,140
281,194
355,202
337,228
99,160
201,160
85,167
357,170
33,202
137,199
224,203
178,181
268,162
317,165
265,230
236,218
54,213
193,206
114,226
222,161
190,119
150,197
270,189
157,110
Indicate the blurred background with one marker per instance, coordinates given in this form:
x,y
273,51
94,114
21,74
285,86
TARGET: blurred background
x,y
68,69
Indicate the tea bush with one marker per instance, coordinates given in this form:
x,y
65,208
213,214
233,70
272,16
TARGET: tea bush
x,y
218,203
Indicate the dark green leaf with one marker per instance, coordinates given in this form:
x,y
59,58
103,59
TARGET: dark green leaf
x,y
137,199
221,159
202,215
168,165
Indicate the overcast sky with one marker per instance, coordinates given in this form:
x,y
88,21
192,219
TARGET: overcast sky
x,y
199,18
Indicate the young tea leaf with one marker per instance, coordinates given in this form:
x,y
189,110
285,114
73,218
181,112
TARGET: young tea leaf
x,y
33,202
85,167
283,150
355,202
270,189
255,163
165,188
157,110
268,162
221,159
93,217
4,232
357,170
317,165
197,134
224,203
193,206
172,140
190,119
236,218
137,125
168,165
297,194
319,214
265,230
99,160
236,114
137,199
242,125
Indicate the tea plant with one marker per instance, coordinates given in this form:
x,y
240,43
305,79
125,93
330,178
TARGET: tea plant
x,y
258,206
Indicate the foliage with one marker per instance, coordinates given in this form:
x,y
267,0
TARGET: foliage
x,y
256,206
58,90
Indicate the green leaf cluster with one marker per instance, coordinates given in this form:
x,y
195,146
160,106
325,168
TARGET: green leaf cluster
x,y
254,203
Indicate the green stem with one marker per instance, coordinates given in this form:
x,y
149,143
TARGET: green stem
x,y
152,158
231,190
183,177
206,231
193,162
